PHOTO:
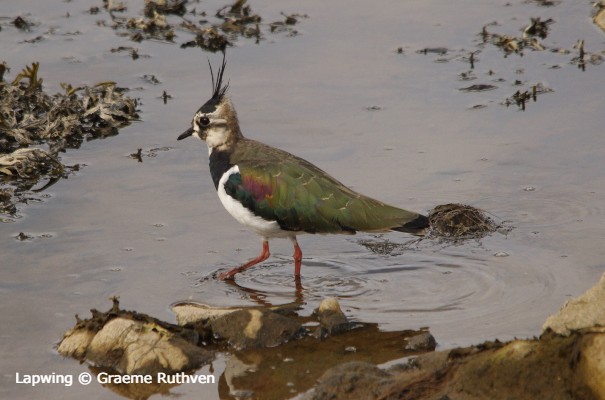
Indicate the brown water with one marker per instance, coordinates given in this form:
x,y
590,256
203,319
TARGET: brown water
x,y
151,232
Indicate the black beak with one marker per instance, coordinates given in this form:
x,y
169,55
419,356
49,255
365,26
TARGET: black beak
x,y
185,134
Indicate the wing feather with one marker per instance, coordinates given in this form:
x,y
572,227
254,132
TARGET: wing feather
x,y
279,186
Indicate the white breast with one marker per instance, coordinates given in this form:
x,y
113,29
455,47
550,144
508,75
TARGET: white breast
x,y
244,216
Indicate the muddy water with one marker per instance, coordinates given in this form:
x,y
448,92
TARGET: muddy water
x,y
392,125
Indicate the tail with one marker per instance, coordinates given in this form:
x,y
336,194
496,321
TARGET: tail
x,y
416,226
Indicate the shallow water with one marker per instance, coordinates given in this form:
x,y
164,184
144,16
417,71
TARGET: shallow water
x,y
152,232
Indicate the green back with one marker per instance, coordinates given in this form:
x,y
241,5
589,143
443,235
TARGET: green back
x,y
279,186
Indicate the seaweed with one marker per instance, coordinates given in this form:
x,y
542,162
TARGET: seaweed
x,y
161,20
31,117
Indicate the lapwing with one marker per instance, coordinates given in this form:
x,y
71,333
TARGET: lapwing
x,y
279,195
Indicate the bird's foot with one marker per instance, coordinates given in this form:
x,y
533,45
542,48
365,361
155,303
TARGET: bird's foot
x,y
227,276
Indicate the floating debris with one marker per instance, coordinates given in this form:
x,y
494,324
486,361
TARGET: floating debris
x,y
544,3
161,20
384,247
433,50
478,88
583,57
467,76
134,52
137,156
21,24
521,98
165,97
151,153
176,7
209,39
537,27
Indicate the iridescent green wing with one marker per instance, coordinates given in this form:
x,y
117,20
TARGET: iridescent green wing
x,y
279,186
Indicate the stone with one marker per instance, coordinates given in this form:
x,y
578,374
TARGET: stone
x,y
583,312
423,341
331,318
255,328
352,380
134,347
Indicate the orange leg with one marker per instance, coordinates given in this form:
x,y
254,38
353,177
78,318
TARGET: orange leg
x,y
297,257
262,257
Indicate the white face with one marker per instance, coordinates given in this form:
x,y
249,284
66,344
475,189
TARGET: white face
x,y
211,128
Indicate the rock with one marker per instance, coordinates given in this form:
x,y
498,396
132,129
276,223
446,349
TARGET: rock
x,y
191,313
581,313
567,362
423,341
134,347
254,328
353,380
592,363
75,343
134,344
599,18
331,318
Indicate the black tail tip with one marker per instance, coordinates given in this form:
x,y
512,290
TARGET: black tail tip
x,y
416,226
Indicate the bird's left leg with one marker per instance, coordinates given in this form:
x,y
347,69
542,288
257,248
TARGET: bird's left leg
x,y
262,257
297,256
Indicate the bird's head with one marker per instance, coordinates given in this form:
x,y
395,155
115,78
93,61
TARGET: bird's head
x,y
216,121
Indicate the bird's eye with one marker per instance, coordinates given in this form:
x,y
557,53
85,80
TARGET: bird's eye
x,y
204,121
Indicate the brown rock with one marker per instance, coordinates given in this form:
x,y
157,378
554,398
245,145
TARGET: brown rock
x,y
253,328
580,313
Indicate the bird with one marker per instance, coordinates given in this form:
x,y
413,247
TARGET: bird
x,y
277,194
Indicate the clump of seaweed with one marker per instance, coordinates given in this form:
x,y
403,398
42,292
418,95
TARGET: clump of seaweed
x,y
29,116
459,221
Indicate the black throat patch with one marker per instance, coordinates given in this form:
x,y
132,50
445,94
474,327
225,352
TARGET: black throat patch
x,y
219,164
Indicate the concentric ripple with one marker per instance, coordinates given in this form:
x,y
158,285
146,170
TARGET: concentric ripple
x,y
458,292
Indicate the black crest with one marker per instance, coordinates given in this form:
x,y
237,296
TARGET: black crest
x,y
218,89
